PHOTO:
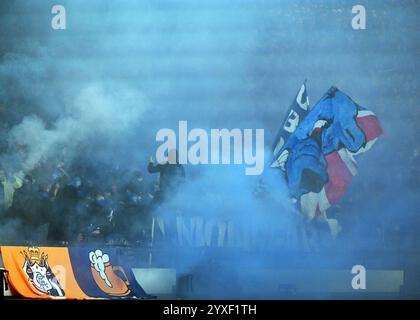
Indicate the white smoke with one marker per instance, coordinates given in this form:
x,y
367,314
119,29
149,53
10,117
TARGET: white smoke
x,y
95,113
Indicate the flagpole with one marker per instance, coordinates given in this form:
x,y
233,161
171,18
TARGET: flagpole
x,y
151,244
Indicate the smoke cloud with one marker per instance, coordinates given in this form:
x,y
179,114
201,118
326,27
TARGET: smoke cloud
x,y
99,91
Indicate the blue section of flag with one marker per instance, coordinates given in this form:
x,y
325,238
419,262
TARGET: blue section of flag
x,y
339,111
306,168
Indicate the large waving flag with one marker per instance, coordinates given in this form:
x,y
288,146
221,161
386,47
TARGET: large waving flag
x,y
319,156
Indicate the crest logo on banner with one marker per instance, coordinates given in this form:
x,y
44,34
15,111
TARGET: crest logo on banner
x,y
39,273
110,279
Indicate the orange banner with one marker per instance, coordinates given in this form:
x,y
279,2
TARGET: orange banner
x,y
41,272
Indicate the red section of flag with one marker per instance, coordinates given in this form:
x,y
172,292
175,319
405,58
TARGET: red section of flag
x,y
339,177
370,126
